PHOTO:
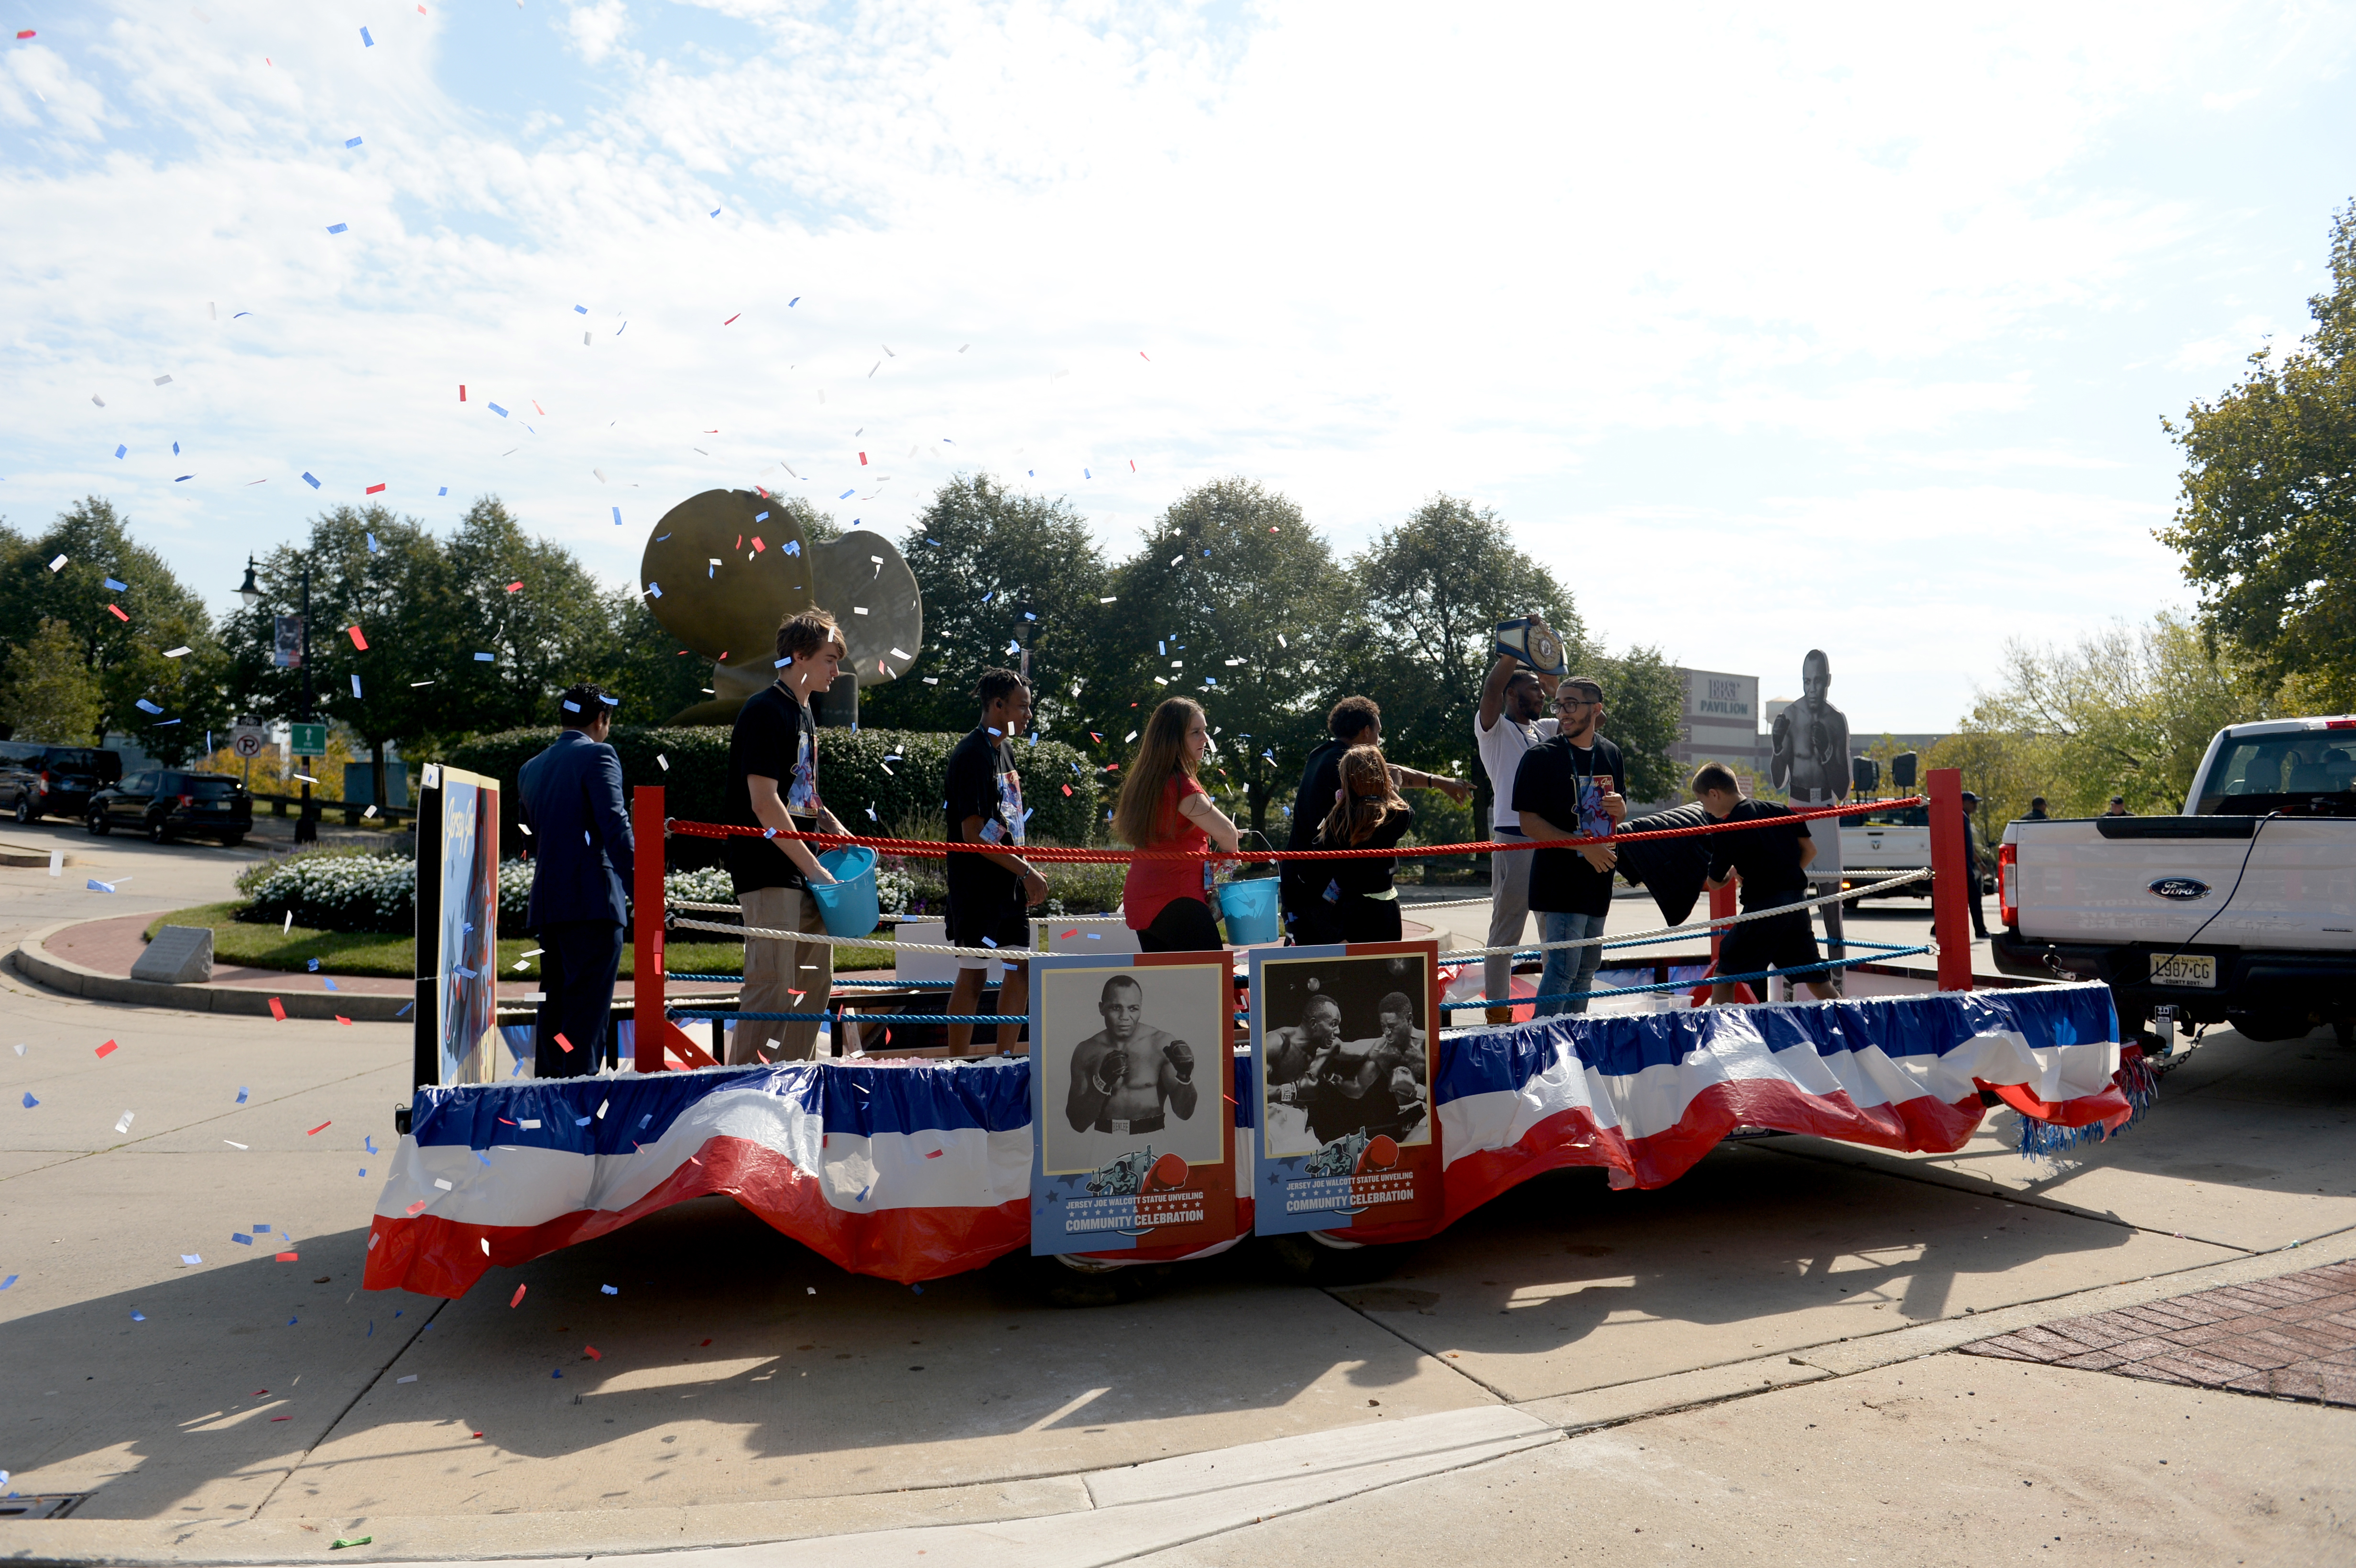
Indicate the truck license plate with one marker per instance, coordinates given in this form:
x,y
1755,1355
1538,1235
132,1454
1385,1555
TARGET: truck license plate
x,y
2186,969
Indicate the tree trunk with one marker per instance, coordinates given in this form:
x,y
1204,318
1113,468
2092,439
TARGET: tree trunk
x,y
376,777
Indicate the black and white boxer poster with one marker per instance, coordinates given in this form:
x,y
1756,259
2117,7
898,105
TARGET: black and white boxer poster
x,y
1132,1073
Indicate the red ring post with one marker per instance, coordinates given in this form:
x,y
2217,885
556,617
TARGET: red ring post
x,y
655,1033
1949,866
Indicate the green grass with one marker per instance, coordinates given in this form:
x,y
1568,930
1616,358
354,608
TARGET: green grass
x,y
392,957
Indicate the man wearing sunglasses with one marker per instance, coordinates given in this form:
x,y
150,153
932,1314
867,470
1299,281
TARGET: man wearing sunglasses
x,y
1572,785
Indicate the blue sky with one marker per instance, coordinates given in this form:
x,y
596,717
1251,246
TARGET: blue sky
x,y
1850,328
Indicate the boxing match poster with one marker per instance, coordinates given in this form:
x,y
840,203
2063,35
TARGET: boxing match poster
x,y
1346,1042
1132,1070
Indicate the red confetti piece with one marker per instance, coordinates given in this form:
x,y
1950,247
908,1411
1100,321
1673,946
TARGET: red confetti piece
x,y
25,33
593,1353
478,1434
277,1009
109,1049
862,460
732,320
538,410
513,587
462,391
505,1123
937,1154
757,546
116,611
1067,789
341,1019
282,1418
322,1128
516,1299
418,1207
707,1343
376,490
358,641
288,1258
565,1042
260,1391
1071,934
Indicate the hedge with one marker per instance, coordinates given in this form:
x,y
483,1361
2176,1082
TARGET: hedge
x,y
853,776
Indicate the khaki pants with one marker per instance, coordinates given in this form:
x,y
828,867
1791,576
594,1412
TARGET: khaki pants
x,y
774,971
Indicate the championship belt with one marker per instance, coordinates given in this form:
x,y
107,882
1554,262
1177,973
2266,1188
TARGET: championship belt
x,y
1533,644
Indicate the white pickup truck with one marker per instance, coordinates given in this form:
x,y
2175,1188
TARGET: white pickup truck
x,y
1890,841
2242,911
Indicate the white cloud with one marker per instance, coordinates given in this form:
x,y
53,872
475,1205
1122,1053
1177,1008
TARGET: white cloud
x,y
1712,278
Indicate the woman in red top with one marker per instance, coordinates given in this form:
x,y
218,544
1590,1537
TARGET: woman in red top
x,y
1161,806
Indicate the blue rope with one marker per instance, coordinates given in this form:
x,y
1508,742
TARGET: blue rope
x,y
838,982
1680,985
837,1017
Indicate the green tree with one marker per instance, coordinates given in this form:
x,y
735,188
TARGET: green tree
x,y
1643,707
983,555
2268,517
122,633
638,660
530,605
47,692
1420,637
1231,600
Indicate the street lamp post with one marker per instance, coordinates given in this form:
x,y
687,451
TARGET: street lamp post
x,y
307,825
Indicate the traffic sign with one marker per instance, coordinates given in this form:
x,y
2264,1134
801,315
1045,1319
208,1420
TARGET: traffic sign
x,y
246,741
307,739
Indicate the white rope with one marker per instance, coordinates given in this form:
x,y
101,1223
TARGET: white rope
x,y
732,909
820,939
1634,937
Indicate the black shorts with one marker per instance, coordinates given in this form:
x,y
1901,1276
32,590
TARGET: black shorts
x,y
1779,942
1004,924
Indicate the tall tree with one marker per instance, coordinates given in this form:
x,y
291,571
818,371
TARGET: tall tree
x,y
1643,708
1232,600
46,693
2267,518
121,633
1421,636
528,604
984,556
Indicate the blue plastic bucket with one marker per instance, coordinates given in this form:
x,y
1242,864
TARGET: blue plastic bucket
x,y
847,904
1250,909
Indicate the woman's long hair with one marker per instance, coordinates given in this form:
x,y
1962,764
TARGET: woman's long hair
x,y
1161,756
1367,798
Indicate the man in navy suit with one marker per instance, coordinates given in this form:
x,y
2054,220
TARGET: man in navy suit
x,y
572,801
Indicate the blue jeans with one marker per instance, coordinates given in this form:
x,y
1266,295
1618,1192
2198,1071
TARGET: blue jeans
x,y
1567,968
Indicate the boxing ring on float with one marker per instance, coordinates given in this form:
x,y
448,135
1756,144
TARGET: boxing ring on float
x,y
915,1169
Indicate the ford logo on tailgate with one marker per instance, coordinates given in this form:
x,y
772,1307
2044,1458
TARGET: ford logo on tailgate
x,y
2180,888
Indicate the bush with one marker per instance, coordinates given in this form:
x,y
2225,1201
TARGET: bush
x,y
877,780
337,889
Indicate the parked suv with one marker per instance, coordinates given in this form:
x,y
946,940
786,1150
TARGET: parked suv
x,y
165,803
53,781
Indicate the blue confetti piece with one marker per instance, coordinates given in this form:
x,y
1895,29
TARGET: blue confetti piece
x,y
579,1121
175,449
338,227
366,42
793,301
290,1322
844,496
715,212
137,1316
118,587
556,1372
364,1170
480,1155
240,1093
12,1279
608,1290
120,451
793,547
617,517
405,1009
329,982
356,689
315,965
373,548
760,517
484,658
351,141
309,479
621,330
371,1333
917,1288
655,589
184,478
29,1101
241,1238
95,886
581,310
496,410
369,1144
444,491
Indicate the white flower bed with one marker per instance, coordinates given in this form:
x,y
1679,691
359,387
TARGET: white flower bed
x,y
378,892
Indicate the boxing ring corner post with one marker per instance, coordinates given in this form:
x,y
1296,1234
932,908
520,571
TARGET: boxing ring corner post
x,y
1950,864
656,1034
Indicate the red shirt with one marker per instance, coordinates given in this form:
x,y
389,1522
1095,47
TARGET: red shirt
x,y
1151,884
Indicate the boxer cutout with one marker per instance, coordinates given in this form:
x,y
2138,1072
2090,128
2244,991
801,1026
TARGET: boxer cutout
x,y
1129,1077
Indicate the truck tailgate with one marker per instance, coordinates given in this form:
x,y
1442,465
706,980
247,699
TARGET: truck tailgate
x,y
2158,878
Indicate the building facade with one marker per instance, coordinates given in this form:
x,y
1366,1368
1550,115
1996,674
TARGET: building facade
x,y
1720,723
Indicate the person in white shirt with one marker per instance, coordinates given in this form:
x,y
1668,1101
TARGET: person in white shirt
x,y
1512,701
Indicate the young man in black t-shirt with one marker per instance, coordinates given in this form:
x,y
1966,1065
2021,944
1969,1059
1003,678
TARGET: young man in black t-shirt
x,y
988,892
1769,862
773,785
1569,787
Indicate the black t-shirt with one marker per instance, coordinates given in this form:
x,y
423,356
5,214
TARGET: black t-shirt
x,y
1371,874
1549,782
1768,856
1321,781
776,738
982,782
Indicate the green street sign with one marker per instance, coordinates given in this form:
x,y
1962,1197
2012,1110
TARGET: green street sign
x,y
307,739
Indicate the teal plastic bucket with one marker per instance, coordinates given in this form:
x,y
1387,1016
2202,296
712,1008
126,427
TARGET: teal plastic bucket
x,y
847,904
1250,909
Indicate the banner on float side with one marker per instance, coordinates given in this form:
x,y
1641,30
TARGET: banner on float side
x,y
1345,1044
1132,1073
465,935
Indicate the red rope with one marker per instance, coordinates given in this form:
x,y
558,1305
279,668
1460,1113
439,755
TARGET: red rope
x,y
1054,855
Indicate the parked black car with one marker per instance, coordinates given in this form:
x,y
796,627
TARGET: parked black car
x,y
37,780
166,803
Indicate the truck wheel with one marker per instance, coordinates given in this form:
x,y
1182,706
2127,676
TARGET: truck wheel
x,y
24,805
1056,1282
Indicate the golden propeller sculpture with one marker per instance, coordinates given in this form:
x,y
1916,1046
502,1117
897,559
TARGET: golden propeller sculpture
x,y
731,564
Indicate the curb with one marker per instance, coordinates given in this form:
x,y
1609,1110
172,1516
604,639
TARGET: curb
x,y
36,962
